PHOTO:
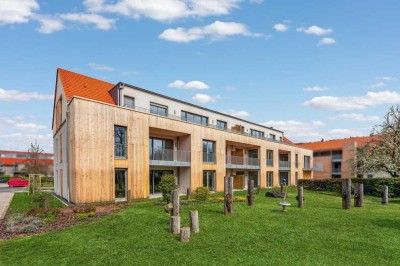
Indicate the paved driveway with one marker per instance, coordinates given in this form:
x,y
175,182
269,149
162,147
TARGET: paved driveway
x,y
5,188
5,199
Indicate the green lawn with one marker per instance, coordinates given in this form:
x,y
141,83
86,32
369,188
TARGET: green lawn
x,y
319,234
21,202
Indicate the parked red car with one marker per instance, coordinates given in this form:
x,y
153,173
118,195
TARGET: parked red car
x,y
18,182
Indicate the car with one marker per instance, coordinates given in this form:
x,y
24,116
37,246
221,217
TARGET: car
x,y
3,180
18,182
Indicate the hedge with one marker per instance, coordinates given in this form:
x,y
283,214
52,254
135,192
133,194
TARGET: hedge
x,y
372,186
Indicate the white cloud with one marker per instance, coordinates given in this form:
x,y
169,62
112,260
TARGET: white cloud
x,y
240,114
204,98
215,31
339,133
163,10
280,27
17,11
378,85
101,67
316,88
327,41
49,24
355,117
315,30
22,141
98,21
256,1
355,102
191,85
14,95
387,78
29,126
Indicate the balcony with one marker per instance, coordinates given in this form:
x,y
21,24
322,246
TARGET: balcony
x,y
284,165
120,151
166,157
337,157
236,162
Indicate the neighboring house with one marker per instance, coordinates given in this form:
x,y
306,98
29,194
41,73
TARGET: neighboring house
x,y
13,162
115,140
335,158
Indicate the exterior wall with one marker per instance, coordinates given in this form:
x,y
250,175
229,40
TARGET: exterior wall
x,y
348,156
91,150
325,165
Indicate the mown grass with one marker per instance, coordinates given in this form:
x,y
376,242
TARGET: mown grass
x,y
21,202
319,234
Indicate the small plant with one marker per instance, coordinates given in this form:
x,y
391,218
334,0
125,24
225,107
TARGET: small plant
x,y
166,185
84,216
235,199
202,193
84,209
18,224
39,198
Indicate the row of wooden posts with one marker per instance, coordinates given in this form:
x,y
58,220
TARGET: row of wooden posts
x,y
359,194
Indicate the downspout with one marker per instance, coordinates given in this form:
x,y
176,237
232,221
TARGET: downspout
x,y
67,146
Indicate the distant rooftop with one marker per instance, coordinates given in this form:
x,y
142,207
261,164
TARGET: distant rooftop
x,y
336,144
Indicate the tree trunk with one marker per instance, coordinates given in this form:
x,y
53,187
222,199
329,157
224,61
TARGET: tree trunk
x,y
358,195
228,195
385,195
175,203
300,196
185,234
194,221
188,193
346,193
175,224
250,192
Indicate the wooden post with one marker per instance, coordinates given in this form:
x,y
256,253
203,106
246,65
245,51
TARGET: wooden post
x,y
175,203
175,224
346,193
185,234
40,182
46,202
300,196
188,193
250,191
194,221
385,195
228,195
358,195
128,195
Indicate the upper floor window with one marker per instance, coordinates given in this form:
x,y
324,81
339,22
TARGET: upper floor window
x,y
272,136
59,113
296,160
256,133
158,109
270,157
194,118
61,149
120,142
222,125
208,151
307,161
129,102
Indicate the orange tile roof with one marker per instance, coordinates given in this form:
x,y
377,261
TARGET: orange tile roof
x,y
286,140
75,84
12,161
336,144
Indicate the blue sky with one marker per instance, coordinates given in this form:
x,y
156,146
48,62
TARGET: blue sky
x,y
314,69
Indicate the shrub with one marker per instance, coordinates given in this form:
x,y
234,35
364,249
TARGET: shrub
x,y
18,224
6,177
235,199
84,209
166,185
202,193
84,216
39,198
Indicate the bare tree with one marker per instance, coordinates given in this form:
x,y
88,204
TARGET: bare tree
x,y
383,153
35,164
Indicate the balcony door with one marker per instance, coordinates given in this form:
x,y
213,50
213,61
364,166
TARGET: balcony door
x,y
120,183
155,178
161,149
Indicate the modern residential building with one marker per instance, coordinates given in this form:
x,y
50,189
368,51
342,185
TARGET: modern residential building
x,y
12,163
115,140
335,158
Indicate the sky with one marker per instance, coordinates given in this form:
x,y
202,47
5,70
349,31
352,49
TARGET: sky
x,y
313,69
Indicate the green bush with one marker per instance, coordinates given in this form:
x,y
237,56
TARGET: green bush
x,y
6,177
372,186
39,198
202,193
84,216
166,185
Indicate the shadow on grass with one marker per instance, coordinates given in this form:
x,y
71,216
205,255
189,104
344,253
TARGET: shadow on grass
x,y
392,224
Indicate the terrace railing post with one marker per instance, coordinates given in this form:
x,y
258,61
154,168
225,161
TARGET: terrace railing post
x,y
385,195
300,196
228,195
250,192
194,221
358,195
346,194
175,203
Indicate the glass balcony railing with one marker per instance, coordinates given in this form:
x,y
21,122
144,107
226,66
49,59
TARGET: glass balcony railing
x,y
120,150
245,162
169,157
208,157
270,162
284,164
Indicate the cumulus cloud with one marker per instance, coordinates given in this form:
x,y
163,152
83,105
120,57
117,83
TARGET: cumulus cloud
x,y
327,41
13,11
21,141
240,114
315,30
14,95
215,31
355,102
191,85
29,126
98,21
101,67
204,98
355,117
49,24
316,88
378,85
280,27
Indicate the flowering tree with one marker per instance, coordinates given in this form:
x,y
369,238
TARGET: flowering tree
x,y
383,153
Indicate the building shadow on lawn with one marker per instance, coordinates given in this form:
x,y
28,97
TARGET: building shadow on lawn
x,y
392,224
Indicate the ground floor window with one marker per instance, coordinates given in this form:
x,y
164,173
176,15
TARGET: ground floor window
x,y
155,178
120,183
270,179
209,180
253,175
284,177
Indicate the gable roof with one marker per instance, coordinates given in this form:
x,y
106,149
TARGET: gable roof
x,y
336,144
75,84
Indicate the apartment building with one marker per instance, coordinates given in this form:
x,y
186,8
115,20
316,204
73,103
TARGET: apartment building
x,y
115,140
12,163
335,158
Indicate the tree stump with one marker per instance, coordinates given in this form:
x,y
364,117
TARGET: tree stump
x,y
185,234
175,203
194,221
175,224
300,196
188,193
385,195
346,193
228,195
250,192
358,195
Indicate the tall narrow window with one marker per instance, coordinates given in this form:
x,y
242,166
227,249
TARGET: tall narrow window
x,y
253,175
158,109
208,151
270,179
61,149
307,162
270,158
120,183
129,102
209,180
59,113
296,160
120,142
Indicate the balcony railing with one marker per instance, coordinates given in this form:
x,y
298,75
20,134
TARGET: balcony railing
x,y
208,157
120,150
242,162
307,167
270,162
168,157
284,165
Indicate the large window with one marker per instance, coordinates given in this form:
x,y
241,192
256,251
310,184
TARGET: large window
x,y
272,136
222,125
208,151
209,180
284,177
307,162
155,178
253,175
270,157
256,133
158,109
161,149
120,183
120,150
270,179
129,102
198,119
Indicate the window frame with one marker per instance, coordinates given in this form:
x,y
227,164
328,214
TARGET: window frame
x,y
129,106
124,143
225,125
159,106
257,133
207,152
185,115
